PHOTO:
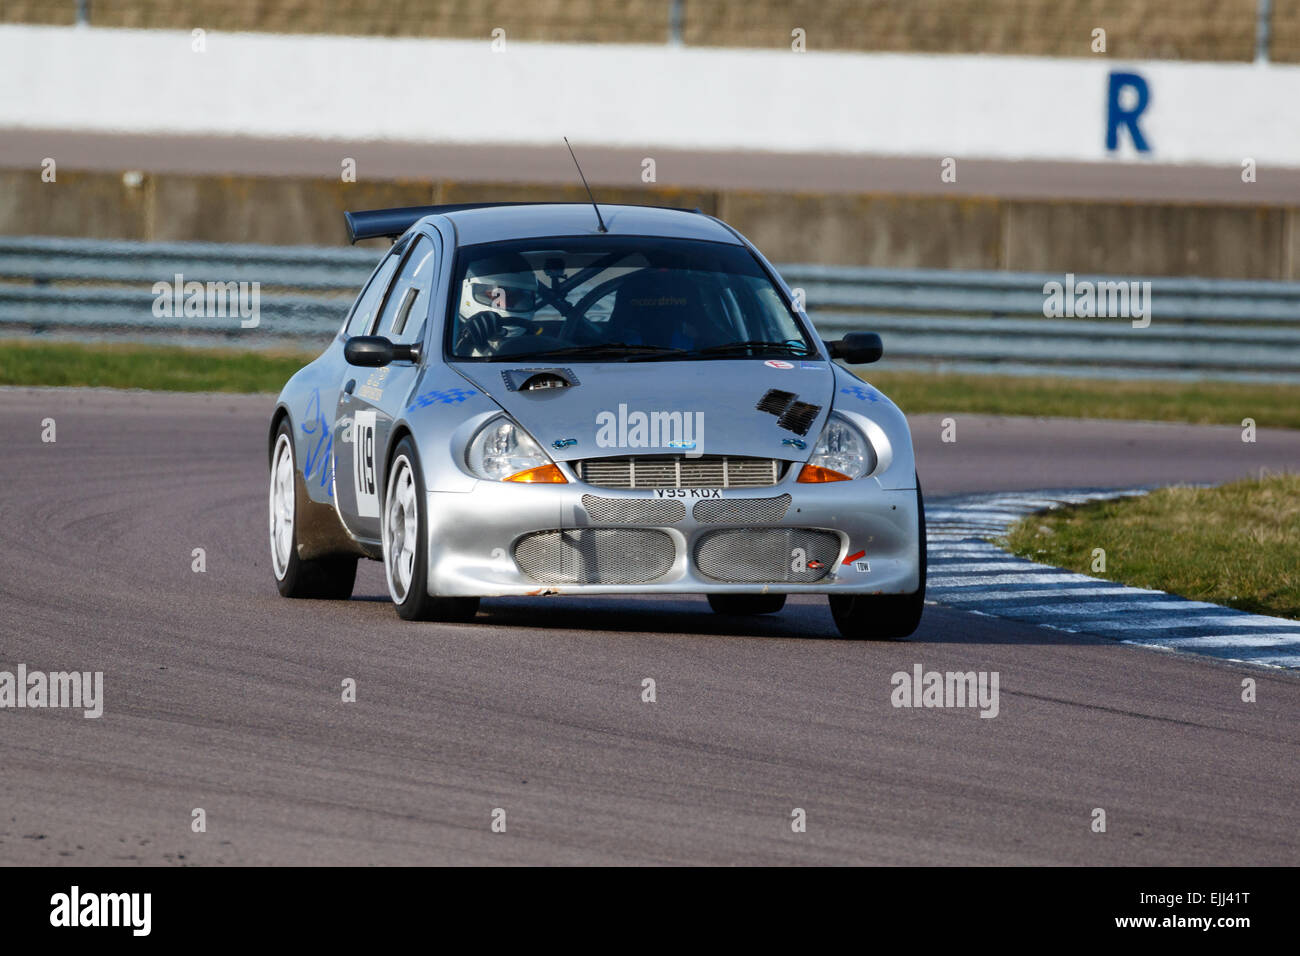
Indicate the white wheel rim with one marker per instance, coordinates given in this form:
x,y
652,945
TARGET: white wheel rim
x,y
401,529
281,506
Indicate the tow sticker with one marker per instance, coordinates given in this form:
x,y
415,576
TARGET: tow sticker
x,y
363,464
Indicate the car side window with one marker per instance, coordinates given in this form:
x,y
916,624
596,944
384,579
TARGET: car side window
x,y
363,313
408,304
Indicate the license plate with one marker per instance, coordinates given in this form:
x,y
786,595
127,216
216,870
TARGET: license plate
x,y
688,492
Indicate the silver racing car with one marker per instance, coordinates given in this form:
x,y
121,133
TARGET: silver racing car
x,y
538,399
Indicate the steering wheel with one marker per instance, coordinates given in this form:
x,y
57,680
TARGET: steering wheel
x,y
477,331
483,328
579,325
525,326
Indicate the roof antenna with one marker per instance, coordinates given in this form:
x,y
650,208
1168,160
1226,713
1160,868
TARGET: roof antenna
x,y
586,187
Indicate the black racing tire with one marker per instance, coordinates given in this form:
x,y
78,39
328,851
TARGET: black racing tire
x,y
329,578
886,617
745,604
411,595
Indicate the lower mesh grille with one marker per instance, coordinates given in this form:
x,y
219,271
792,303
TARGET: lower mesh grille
x,y
740,510
767,555
633,510
595,556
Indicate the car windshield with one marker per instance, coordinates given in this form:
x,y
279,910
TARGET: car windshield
x,y
626,299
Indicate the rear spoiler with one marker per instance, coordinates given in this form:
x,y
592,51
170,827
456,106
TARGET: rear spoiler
x,y
391,223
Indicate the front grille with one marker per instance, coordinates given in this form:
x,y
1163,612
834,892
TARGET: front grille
x,y
595,556
633,510
707,471
740,510
767,555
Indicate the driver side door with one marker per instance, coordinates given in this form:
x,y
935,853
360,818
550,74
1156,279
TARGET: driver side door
x,y
356,492
378,395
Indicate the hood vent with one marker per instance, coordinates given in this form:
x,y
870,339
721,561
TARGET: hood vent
x,y
799,417
791,415
775,401
538,379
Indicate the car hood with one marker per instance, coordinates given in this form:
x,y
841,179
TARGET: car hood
x,y
620,408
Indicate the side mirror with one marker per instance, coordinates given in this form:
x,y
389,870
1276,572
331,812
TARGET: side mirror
x,y
373,351
858,348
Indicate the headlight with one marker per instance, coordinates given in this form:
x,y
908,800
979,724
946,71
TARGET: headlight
x,y
502,451
841,454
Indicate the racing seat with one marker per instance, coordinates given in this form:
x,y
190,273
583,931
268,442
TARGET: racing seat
x,y
659,307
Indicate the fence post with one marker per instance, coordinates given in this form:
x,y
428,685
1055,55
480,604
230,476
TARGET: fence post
x,y
675,22
1263,30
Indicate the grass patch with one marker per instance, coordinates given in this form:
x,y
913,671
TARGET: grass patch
x,y
167,368
173,368
1201,403
1236,544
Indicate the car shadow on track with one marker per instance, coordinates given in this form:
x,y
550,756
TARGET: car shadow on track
x,y
803,618
674,614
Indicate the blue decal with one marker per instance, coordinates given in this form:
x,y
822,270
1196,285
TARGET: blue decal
x,y
867,394
1117,116
319,455
446,396
796,442
566,442
680,444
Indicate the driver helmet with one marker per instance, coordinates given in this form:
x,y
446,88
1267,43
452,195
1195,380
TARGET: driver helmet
x,y
503,283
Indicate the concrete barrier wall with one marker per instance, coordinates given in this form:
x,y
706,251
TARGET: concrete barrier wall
x,y
888,231
456,91
747,101
1022,236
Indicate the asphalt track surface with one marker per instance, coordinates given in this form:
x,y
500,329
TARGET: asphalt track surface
x,y
221,695
684,169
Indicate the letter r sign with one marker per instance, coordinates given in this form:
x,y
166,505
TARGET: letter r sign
x,y
1118,114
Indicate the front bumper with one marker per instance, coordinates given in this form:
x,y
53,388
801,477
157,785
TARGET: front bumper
x,y
472,537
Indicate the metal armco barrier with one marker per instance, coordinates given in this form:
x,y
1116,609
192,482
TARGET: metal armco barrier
x,y
963,321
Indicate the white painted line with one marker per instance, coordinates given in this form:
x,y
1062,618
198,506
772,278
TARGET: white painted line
x,y
1238,640
1172,623
982,596
1046,578
969,566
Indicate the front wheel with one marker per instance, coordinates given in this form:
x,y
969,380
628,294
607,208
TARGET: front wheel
x,y
741,604
328,578
887,616
406,559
